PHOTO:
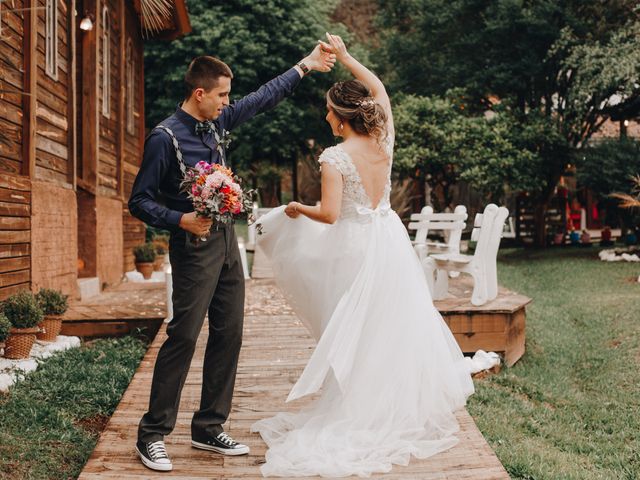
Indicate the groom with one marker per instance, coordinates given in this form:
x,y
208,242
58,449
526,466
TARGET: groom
x,y
207,275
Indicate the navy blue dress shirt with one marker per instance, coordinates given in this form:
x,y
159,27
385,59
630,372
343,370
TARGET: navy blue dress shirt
x,y
156,198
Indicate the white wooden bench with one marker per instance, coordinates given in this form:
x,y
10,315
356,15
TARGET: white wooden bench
x,y
481,265
451,224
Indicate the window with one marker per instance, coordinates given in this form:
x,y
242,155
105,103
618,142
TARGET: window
x,y
51,38
106,64
130,90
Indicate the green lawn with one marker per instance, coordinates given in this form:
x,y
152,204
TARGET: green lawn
x,y
51,421
570,408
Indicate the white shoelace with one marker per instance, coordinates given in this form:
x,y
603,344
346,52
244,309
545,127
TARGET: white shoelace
x,y
157,450
224,438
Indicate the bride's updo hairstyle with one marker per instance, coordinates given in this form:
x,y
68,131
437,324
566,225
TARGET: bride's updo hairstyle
x,y
352,102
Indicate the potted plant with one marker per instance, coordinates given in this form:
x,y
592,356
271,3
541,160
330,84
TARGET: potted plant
x,y
161,244
24,314
5,326
145,254
53,304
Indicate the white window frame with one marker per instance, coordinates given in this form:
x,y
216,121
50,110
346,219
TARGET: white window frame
x,y
51,38
106,63
130,89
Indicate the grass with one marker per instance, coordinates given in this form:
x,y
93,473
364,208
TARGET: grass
x,y
51,420
570,408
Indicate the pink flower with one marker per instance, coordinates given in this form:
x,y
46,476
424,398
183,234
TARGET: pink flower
x,y
202,166
215,180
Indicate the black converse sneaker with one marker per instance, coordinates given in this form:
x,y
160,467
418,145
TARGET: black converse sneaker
x,y
222,443
154,455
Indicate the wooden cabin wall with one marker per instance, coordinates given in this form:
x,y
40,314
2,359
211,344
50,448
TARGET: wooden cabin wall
x,y
109,245
134,229
15,190
108,152
15,222
52,126
67,170
12,84
54,234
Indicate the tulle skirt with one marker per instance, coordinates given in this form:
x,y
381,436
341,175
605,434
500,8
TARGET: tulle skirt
x,y
390,370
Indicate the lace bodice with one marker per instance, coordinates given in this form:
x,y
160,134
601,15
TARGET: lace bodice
x,y
354,194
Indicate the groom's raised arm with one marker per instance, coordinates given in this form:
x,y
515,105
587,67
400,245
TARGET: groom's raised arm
x,y
272,92
263,99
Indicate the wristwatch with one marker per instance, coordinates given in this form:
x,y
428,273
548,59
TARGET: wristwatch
x,y
303,67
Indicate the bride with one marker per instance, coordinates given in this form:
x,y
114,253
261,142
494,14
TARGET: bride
x,y
390,371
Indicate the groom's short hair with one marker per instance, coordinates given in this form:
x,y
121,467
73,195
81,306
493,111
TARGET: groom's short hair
x,y
204,72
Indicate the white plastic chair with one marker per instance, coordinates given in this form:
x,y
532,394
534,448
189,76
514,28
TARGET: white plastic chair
x,y
481,265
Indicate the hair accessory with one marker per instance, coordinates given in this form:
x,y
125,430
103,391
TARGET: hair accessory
x,y
365,103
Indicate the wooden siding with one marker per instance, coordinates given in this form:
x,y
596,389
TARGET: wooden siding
x,y
108,136
133,229
53,159
15,234
12,86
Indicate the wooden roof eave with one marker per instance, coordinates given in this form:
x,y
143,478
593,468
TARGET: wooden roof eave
x,y
181,22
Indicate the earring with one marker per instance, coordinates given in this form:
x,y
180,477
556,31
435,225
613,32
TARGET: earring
x,y
340,127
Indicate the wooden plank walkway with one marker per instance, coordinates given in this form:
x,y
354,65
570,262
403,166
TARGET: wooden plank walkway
x,y
276,348
118,310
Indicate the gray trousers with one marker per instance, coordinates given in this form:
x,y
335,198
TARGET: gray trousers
x,y
207,278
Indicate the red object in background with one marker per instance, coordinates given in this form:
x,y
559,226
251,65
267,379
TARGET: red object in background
x,y
605,235
574,218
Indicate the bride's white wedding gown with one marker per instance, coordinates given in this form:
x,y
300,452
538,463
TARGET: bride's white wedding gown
x,y
390,370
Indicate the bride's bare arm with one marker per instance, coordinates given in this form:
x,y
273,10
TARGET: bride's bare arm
x,y
362,73
329,209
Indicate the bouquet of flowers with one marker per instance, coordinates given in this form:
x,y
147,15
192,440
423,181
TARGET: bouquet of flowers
x,y
216,192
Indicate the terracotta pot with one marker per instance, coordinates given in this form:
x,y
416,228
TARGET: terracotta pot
x,y
158,263
18,344
146,269
49,328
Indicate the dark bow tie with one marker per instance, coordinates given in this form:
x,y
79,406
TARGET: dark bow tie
x,y
204,127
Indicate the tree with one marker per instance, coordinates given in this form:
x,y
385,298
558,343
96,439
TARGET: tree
x,y
438,143
259,40
566,66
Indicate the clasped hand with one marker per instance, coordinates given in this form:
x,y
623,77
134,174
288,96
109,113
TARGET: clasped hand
x,y
320,59
192,223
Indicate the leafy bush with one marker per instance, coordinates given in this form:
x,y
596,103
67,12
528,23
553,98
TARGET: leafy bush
x,y
22,310
5,326
144,253
52,302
